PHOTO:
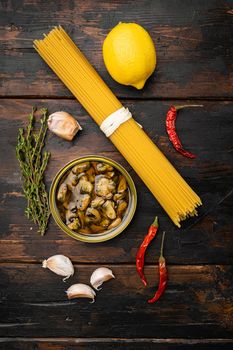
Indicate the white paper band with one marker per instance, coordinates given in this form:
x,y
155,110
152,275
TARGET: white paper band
x,y
114,120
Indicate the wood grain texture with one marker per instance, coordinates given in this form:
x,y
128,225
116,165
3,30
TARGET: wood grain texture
x,y
206,239
194,45
113,344
197,303
193,39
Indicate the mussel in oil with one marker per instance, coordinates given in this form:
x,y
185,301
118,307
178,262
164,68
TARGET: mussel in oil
x,y
92,198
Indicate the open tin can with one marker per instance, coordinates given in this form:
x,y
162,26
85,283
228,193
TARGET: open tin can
x,y
93,237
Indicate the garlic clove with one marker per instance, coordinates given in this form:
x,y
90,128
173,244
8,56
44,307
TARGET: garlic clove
x,y
81,290
59,264
100,275
64,125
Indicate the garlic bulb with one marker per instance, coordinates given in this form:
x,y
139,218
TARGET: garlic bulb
x,y
59,264
100,275
64,125
81,290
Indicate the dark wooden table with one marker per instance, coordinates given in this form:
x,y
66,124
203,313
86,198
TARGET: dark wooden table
x,y
194,41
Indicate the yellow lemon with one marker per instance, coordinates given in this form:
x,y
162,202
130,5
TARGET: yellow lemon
x,y
129,54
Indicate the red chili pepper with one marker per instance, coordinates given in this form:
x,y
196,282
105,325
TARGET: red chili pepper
x,y
163,275
171,129
142,250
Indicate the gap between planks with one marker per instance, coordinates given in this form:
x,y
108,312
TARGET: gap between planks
x,y
119,340
116,264
123,98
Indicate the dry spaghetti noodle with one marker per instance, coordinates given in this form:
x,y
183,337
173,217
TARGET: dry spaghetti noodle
x,y
71,66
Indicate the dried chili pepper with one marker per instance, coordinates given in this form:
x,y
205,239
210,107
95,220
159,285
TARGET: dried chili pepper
x,y
171,129
163,275
142,250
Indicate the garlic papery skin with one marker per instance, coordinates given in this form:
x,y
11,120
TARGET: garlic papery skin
x,y
59,264
64,125
99,276
80,290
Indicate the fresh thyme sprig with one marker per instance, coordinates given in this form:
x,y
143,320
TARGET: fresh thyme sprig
x,y
33,162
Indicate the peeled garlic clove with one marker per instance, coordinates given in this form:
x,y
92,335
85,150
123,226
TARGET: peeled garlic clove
x,y
64,125
59,264
100,275
80,290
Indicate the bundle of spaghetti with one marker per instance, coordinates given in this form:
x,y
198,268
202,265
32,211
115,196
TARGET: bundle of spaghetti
x,y
167,185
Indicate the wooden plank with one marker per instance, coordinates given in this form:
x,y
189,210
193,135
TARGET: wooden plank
x,y
197,304
114,343
193,39
207,132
